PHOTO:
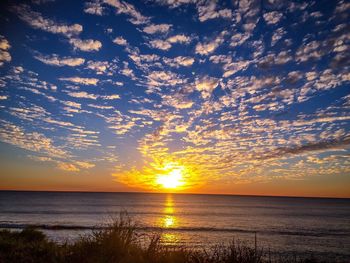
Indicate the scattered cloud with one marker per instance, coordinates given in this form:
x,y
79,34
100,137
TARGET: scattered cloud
x,y
4,47
160,44
206,86
273,17
179,61
87,45
209,47
69,167
122,7
101,67
239,93
209,10
94,8
120,41
55,60
111,97
181,38
83,81
36,20
83,95
153,29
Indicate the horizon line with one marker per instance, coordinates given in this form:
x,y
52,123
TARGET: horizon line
x,y
176,193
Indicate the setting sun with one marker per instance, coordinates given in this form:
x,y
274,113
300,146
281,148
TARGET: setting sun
x,y
171,180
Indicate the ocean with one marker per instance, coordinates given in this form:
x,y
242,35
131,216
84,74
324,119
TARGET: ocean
x,y
291,225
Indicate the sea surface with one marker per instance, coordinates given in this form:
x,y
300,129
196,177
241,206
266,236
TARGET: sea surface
x,y
299,226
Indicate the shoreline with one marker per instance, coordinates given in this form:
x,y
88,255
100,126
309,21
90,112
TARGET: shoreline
x,y
122,242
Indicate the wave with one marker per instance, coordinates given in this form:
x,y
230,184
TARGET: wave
x,y
173,229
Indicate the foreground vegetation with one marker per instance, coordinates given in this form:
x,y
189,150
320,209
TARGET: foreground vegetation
x,y
120,243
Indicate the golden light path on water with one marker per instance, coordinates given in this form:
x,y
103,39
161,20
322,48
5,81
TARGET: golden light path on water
x,y
169,221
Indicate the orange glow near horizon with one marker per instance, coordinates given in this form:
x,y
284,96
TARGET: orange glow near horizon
x,y
161,176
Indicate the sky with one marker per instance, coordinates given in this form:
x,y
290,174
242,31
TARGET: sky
x,y
233,97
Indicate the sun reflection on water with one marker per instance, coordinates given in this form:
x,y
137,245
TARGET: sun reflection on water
x,y
169,221
170,239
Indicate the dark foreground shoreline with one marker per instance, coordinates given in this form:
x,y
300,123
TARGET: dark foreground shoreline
x,y
120,242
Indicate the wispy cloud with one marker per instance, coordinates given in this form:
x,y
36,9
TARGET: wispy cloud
x,y
83,81
122,7
36,20
83,95
55,60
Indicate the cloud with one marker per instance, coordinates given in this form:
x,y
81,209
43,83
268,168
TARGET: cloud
x,y
308,51
161,28
36,20
85,165
55,60
181,38
166,44
4,44
86,44
4,47
320,120
160,44
275,59
83,81
209,47
273,17
222,102
206,86
83,95
238,39
120,41
31,141
179,61
111,97
101,67
208,11
69,167
335,144
94,8
230,67
41,158
178,101
72,104
127,71
59,123
101,107
128,9
277,35
166,78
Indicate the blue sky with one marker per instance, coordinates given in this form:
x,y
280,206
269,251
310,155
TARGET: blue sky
x,y
239,91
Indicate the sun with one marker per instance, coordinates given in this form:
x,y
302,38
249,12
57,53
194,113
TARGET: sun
x,y
171,180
